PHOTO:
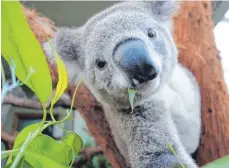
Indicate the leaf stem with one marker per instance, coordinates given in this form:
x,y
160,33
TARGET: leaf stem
x,y
43,119
22,151
56,122
51,112
5,154
6,87
3,75
12,70
74,94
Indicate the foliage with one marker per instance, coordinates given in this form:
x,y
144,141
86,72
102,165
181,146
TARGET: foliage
x,y
219,163
62,77
8,87
23,52
20,45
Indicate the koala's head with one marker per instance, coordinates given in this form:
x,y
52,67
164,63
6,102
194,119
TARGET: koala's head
x,y
129,45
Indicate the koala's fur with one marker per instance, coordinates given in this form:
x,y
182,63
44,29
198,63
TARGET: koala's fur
x,y
167,109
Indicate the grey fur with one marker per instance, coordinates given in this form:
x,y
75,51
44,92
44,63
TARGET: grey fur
x,y
167,109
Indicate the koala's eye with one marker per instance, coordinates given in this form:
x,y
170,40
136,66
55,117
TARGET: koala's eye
x,y
100,64
152,33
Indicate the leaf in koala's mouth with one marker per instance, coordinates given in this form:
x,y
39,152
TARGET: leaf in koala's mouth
x,y
131,93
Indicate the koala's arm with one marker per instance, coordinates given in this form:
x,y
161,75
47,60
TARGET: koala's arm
x,y
147,132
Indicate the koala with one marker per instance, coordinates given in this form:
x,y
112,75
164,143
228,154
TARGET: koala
x,y
130,45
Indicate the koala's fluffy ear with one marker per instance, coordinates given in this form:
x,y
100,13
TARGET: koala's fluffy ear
x,y
164,10
67,44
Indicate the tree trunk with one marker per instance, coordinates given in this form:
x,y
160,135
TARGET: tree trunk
x,y
195,40
196,43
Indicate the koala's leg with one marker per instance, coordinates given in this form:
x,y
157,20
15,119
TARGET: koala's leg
x,y
148,131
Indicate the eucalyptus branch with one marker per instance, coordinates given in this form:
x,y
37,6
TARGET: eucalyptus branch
x,y
22,151
43,119
42,127
30,138
5,154
3,75
6,87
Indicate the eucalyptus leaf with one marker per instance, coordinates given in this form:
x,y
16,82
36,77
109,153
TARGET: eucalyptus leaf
x,y
172,149
62,76
42,145
131,93
20,44
21,137
48,147
22,164
219,163
40,161
73,144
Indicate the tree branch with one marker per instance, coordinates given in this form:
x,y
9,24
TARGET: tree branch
x,y
22,102
201,57
64,101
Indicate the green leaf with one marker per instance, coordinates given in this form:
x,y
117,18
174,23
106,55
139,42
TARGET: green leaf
x,y
172,149
42,144
131,93
22,164
72,144
21,137
74,94
20,44
219,163
62,77
7,153
34,160
39,161
50,148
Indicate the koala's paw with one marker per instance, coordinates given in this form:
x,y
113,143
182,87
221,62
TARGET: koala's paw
x,y
162,160
169,160
166,160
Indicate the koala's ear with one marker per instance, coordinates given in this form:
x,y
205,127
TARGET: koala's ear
x,y
164,10
67,44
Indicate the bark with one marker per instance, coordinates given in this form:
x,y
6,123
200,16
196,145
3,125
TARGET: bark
x,y
195,40
39,24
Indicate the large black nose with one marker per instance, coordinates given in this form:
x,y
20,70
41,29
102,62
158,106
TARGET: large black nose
x,y
135,58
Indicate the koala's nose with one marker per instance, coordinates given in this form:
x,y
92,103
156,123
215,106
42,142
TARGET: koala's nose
x,y
134,58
